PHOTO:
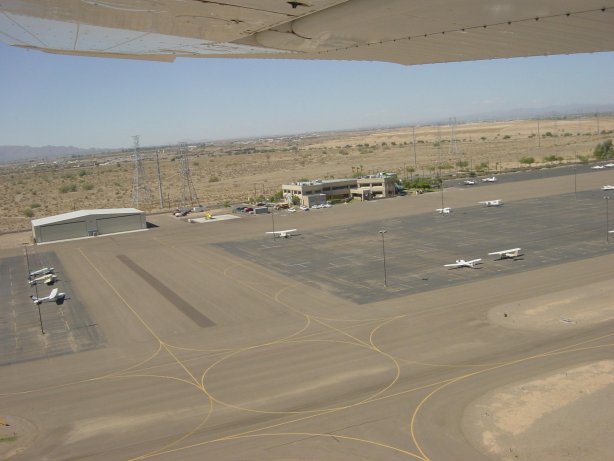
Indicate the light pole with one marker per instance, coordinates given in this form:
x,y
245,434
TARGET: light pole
x,y
382,232
40,316
607,218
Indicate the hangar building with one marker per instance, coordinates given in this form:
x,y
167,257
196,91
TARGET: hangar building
x,y
84,223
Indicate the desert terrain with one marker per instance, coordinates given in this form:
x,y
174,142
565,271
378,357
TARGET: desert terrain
x,y
230,172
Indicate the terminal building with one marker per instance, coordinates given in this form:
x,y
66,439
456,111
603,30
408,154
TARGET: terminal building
x,y
318,192
87,223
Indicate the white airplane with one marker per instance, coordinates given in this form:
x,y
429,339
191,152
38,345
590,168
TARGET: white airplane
x,y
493,179
598,167
54,296
512,253
462,263
446,210
47,279
469,182
607,187
43,271
384,30
497,202
609,165
283,233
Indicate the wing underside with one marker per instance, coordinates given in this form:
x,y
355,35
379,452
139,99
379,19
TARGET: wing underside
x,y
416,32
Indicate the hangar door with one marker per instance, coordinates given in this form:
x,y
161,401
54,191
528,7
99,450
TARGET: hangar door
x,y
69,230
118,224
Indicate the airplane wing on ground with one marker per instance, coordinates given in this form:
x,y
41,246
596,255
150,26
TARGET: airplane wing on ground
x,y
511,253
416,32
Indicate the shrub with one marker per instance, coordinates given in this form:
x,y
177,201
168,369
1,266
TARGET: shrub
x,y
28,212
68,188
604,150
88,186
527,160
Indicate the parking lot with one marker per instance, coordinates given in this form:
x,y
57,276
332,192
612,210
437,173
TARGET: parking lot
x,y
349,261
60,329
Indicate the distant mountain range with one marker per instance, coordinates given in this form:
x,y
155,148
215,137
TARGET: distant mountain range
x,y
13,153
23,153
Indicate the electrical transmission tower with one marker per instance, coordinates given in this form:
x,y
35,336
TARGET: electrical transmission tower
x,y
141,194
453,146
188,191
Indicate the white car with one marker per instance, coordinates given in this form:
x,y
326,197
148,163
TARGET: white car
x,y
304,208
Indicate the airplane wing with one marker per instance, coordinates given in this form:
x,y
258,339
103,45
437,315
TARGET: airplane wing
x,y
53,293
474,261
416,32
453,265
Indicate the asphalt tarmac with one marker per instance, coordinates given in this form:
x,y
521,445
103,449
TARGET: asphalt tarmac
x,y
215,341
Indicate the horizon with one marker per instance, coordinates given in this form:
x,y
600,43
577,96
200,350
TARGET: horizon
x,y
57,100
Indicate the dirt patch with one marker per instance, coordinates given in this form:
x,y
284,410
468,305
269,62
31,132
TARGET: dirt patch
x,y
563,416
16,434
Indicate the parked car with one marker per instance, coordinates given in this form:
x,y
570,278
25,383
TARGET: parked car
x,y
304,208
248,209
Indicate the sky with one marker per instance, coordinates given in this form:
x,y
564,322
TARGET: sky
x,y
95,102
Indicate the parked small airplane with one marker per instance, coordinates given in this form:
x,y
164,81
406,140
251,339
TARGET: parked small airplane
x,y
598,167
469,182
47,279
463,263
54,296
609,165
607,187
283,233
493,179
497,202
43,271
446,210
512,253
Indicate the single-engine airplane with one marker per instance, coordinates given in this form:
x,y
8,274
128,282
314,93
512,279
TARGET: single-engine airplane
x,y
446,210
492,179
512,253
462,263
497,202
54,296
282,233
43,271
607,187
469,182
47,279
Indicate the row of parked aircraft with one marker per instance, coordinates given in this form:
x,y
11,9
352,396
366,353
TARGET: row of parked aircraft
x,y
473,182
448,210
47,276
512,253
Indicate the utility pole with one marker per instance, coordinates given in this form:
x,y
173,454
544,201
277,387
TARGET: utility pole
x,y
413,132
159,181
